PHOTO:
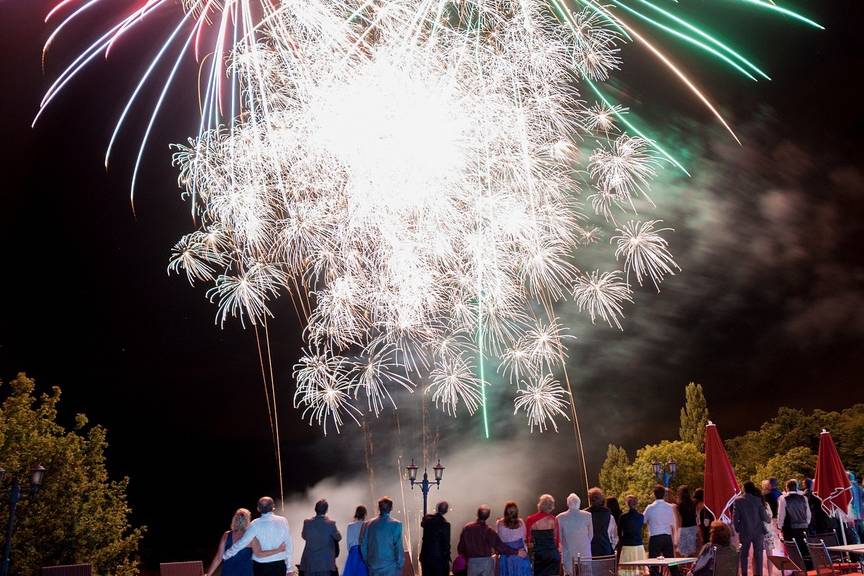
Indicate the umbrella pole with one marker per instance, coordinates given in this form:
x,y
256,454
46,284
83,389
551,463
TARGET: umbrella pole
x,y
841,524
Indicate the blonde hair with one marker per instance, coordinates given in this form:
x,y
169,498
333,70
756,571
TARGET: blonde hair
x,y
240,520
546,503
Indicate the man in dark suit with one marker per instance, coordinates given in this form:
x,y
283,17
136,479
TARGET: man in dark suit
x,y
750,519
435,550
322,543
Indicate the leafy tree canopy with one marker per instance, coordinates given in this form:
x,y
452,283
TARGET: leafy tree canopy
x,y
615,472
637,477
80,514
694,416
797,463
784,447
792,428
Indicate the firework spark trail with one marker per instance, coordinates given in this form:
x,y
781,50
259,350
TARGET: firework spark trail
x,y
247,16
425,253
412,258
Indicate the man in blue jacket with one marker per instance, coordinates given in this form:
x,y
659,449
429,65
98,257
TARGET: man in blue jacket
x,y
381,542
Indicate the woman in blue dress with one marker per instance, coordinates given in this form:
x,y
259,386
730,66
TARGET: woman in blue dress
x,y
354,565
241,564
511,530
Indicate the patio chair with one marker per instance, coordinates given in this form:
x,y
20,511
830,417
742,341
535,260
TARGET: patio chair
x,y
783,565
822,562
796,556
841,563
597,566
726,562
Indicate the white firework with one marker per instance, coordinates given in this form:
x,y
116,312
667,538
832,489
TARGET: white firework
x,y
373,374
544,344
601,117
410,168
623,168
603,294
246,293
452,382
323,390
197,255
542,401
645,252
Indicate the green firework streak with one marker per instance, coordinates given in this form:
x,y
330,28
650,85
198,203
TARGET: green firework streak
x,y
687,38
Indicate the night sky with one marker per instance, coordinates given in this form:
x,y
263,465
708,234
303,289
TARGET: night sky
x,y
768,309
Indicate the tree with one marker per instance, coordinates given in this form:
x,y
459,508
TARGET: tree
x,y
792,428
691,466
694,416
796,463
615,472
80,515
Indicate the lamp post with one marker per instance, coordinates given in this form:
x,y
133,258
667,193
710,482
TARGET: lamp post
x,y
36,476
424,484
665,474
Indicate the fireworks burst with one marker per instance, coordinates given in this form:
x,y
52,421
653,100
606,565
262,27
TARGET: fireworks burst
x,y
413,172
212,29
542,401
405,169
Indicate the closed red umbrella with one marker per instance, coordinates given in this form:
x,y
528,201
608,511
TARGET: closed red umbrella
x,y
721,484
832,483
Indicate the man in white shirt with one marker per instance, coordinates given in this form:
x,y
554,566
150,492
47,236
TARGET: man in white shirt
x,y
271,531
660,519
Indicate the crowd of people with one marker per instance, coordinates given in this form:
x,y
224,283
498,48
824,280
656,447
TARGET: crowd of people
x,y
763,522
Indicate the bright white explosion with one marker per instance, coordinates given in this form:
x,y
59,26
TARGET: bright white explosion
x,y
411,171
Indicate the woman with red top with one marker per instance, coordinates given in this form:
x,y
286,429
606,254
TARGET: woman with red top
x,y
543,537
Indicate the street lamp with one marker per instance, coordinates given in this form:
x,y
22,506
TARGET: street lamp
x,y
36,477
664,474
425,484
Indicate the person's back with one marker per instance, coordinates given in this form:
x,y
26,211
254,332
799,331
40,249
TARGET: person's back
x,y
271,531
478,542
436,538
322,537
630,528
748,511
660,518
381,543
576,529
352,533
796,512
354,565
601,518
750,519
820,522
435,547
604,528
241,563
